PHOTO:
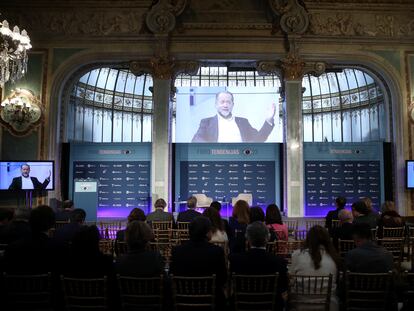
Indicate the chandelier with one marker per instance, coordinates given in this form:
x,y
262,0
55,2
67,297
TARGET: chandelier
x,y
21,112
13,53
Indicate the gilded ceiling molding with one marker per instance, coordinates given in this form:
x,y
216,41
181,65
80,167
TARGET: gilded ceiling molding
x,y
164,68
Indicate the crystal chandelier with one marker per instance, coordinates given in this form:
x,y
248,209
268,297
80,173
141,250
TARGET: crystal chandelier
x,y
13,53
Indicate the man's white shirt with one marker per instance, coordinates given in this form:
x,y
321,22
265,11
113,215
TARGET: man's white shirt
x,y
27,183
228,131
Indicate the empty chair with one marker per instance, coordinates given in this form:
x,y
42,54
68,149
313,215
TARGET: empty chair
x,y
85,294
254,292
248,197
27,292
367,291
203,201
194,293
139,293
308,292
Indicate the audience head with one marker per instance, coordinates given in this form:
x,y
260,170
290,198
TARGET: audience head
x,y
340,202
368,203
361,233
345,215
257,234
22,214
215,218
273,215
241,212
86,240
388,206
138,234
6,215
317,238
78,215
216,205
359,208
136,214
199,228
256,214
67,205
192,202
42,218
160,203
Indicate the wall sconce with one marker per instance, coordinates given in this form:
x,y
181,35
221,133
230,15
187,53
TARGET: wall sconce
x,y
21,112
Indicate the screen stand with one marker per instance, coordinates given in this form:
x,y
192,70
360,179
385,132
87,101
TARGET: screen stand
x,y
28,199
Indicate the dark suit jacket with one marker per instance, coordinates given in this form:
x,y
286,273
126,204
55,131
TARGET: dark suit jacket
x,y
208,130
140,263
344,232
37,185
369,258
159,215
188,215
331,216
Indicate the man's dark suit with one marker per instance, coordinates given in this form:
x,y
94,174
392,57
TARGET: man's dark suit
x,y
188,215
343,232
208,131
369,258
16,184
140,263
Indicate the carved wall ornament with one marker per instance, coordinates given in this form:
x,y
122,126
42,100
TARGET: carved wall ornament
x,y
269,68
161,19
295,20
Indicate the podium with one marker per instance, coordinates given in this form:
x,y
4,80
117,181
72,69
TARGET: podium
x,y
85,196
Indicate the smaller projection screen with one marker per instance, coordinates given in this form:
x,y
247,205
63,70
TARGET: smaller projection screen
x,y
227,115
27,175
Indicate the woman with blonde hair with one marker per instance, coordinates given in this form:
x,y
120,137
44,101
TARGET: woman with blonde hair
x,y
238,224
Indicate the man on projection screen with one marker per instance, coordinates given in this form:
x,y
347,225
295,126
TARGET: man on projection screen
x,y
224,127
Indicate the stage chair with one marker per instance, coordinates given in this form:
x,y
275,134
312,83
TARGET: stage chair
x,y
85,294
308,292
192,293
138,293
367,291
27,292
390,232
248,197
345,246
254,292
203,201
314,222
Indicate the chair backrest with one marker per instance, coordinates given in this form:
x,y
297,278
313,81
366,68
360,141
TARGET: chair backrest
x,y
61,223
300,235
394,246
192,293
121,248
408,291
202,200
335,223
106,247
108,230
285,249
161,225
390,232
345,246
367,291
292,224
254,292
27,292
183,225
314,222
164,248
85,294
310,292
162,235
138,293
248,197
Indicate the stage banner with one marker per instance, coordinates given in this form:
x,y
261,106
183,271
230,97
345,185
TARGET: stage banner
x,y
351,170
123,172
222,171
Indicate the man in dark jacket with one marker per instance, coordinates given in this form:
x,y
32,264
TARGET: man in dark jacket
x,y
190,213
340,203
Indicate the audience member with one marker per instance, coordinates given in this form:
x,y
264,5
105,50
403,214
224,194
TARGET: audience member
x,y
257,261
238,223
389,216
367,257
362,214
318,257
274,222
256,214
190,213
340,203
18,228
198,257
63,213
217,228
159,214
139,261
65,234
217,205
34,253
135,214
345,228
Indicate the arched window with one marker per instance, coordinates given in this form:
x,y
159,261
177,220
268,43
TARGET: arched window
x,y
346,106
110,105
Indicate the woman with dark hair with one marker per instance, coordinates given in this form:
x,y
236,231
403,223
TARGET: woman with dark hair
x,y
274,222
218,234
256,214
318,257
135,214
238,224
